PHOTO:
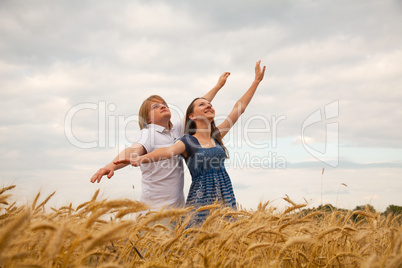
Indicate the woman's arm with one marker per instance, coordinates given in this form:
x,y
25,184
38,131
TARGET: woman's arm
x,y
243,102
210,95
109,169
221,82
154,156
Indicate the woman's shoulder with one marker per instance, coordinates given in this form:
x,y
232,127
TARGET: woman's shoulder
x,y
188,137
191,144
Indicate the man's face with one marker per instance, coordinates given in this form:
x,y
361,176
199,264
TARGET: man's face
x,y
159,113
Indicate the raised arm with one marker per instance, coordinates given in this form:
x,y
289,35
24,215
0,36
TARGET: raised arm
x,y
109,169
154,156
221,82
243,102
210,95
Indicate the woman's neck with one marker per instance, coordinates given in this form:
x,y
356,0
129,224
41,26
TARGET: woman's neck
x,y
203,130
203,134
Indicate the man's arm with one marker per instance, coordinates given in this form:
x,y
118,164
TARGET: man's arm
x,y
111,167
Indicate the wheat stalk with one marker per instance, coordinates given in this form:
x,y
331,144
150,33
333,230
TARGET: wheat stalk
x,y
61,237
343,254
258,245
294,208
328,231
109,234
11,228
44,202
8,188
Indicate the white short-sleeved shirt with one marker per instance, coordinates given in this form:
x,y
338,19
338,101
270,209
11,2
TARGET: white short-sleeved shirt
x,y
162,182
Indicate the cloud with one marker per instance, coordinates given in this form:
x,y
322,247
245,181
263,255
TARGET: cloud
x,y
316,164
370,198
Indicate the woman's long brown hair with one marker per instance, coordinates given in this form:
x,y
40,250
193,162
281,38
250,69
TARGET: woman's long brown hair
x,y
191,127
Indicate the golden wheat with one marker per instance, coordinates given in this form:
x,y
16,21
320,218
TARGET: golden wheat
x,y
97,234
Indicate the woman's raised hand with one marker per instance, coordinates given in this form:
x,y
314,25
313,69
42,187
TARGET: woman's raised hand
x,y
222,79
259,74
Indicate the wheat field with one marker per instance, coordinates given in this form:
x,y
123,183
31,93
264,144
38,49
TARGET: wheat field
x,y
106,233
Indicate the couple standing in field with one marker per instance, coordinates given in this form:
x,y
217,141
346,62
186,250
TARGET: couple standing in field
x,y
160,145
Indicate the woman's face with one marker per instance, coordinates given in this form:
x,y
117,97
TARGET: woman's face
x,y
202,110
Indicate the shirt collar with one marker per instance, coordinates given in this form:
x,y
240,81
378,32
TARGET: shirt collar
x,y
158,128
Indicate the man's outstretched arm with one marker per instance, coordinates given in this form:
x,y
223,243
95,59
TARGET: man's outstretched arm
x,y
109,169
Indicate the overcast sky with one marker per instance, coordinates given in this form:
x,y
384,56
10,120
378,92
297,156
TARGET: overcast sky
x,y
74,73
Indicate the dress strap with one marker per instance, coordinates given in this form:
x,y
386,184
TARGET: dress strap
x,y
191,144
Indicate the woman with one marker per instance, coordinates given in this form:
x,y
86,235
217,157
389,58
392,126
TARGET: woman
x,y
162,183
204,151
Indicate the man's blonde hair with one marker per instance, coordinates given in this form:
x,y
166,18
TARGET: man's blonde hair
x,y
143,114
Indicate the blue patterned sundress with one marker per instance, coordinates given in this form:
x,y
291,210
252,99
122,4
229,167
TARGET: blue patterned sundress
x,y
210,181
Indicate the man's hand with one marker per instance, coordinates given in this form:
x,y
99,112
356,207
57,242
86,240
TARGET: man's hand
x,y
101,172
